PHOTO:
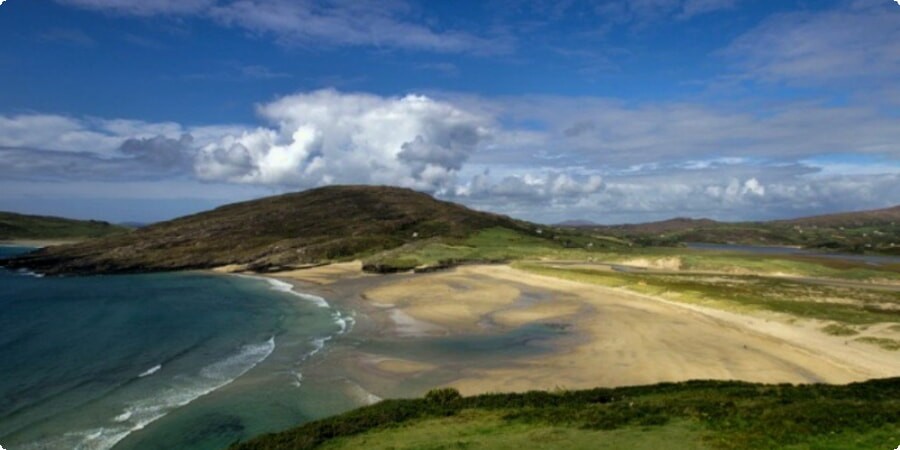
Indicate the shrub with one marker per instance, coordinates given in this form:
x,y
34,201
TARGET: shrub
x,y
443,396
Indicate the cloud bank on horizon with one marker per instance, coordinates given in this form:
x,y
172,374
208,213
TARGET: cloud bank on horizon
x,y
795,113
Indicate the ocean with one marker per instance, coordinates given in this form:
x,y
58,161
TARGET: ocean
x,y
187,360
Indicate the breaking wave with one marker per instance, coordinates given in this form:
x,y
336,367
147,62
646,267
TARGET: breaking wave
x,y
183,390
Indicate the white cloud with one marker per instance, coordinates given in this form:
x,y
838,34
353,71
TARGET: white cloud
x,y
531,188
715,195
541,158
328,137
91,135
856,42
598,132
53,132
143,7
380,24
386,23
54,147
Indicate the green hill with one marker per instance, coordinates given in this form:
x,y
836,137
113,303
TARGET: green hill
x,y
15,226
689,415
315,226
876,231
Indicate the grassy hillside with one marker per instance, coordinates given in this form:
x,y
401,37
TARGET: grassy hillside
x,y
864,231
496,244
395,229
695,414
15,226
290,230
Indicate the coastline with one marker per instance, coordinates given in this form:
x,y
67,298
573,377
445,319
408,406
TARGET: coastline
x,y
610,337
141,384
37,243
309,325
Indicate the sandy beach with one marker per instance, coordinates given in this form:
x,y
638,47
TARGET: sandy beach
x,y
520,331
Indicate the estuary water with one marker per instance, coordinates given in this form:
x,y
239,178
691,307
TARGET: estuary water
x,y
875,260
158,361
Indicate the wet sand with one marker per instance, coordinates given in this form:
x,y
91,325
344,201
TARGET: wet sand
x,y
493,328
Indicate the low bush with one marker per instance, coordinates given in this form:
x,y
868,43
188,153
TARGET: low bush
x,y
736,415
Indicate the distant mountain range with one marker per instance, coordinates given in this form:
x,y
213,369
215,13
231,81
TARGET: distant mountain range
x,y
861,231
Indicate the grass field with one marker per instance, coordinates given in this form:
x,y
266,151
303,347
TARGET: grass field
x,y
490,245
695,414
505,245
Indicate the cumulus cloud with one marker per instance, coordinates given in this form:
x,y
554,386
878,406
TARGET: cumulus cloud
x,y
160,151
720,196
328,137
540,158
531,188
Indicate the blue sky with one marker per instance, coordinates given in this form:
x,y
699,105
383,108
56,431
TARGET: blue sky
x,y
617,111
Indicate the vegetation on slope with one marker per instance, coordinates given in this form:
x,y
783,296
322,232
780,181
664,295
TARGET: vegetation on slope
x,y
696,414
395,229
15,226
487,246
865,231
290,230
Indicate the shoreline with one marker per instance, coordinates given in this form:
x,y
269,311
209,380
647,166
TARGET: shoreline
x,y
37,243
611,337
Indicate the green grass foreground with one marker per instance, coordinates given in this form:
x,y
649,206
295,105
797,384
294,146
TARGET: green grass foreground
x,y
693,414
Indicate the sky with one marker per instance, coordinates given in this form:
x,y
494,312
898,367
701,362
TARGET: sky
x,y
610,111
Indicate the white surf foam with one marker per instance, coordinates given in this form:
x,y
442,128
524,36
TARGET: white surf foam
x,y
318,345
345,322
150,371
184,390
281,286
28,273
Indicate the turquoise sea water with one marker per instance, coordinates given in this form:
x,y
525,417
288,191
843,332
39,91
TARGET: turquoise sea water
x,y
158,361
